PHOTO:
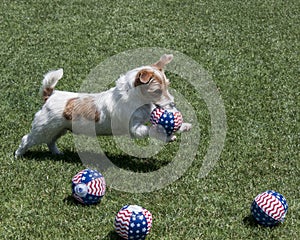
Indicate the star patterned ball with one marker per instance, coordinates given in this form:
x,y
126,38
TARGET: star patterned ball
x,y
133,222
269,208
170,120
88,186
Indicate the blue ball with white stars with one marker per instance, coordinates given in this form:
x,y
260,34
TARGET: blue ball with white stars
x,y
169,120
133,222
269,208
88,186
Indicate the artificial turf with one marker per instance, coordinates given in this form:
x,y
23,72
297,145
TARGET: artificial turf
x,y
251,50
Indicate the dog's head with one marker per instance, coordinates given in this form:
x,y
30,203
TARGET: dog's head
x,y
152,82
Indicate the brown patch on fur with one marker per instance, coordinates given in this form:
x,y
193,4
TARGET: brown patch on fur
x,y
144,76
47,92
77,108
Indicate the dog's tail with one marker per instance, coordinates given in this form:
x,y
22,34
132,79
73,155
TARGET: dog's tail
x,y
49,82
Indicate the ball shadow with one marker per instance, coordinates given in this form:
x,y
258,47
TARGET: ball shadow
x,y
71,201
112,235
250,221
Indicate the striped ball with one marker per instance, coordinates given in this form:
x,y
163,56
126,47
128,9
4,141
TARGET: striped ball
x,y
171,121
88,186
269,208
133,222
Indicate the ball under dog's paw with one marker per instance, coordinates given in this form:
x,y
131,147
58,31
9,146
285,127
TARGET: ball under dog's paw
x,y
169,120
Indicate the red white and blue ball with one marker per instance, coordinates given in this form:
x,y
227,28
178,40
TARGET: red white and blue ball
x,y
133,222
88,186
170,120
269,208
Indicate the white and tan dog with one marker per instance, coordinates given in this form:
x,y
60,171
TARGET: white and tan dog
x,y
128,103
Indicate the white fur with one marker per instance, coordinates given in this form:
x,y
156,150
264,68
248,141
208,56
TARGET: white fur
x,y
117,105
51,78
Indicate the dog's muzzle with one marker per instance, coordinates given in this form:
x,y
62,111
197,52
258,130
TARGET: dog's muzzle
x,y
169,105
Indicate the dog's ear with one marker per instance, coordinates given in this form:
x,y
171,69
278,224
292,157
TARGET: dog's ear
x,y
164,60
143,77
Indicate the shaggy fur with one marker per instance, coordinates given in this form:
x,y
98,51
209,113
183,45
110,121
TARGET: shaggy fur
x,y
78,108
127,107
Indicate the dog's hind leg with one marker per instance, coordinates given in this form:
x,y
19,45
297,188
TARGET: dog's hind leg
x,y
26,142
43,131
36,138
52,144
53,148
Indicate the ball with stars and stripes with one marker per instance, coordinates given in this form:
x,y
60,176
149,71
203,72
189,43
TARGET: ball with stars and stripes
x,y
269,208
133,222
88,186
170,120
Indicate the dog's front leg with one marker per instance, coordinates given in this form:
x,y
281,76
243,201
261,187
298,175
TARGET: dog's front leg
x,y
139,130
185,127
157,132
137,127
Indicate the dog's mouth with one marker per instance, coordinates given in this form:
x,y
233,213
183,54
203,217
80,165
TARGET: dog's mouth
x,y
168,105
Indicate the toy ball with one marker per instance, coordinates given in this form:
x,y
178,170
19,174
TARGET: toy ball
x,y
133,222
88,186
170,120
269,208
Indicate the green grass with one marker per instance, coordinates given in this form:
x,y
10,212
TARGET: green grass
x,y
250,48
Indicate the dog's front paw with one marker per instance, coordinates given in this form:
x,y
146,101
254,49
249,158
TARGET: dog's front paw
x,y
171,138
185,127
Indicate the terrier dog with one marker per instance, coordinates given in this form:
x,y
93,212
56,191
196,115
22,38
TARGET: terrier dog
x,y
128,105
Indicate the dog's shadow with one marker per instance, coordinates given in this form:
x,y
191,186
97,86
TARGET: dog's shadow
x,y
101,161
40,155
135,164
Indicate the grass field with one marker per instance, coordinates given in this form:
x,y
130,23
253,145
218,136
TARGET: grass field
x,y
251,49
